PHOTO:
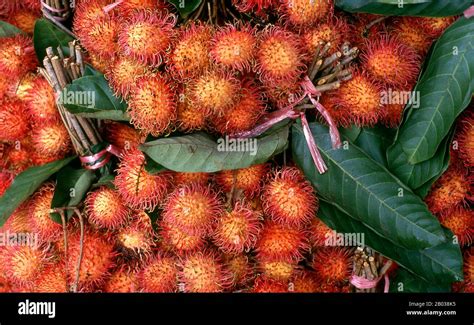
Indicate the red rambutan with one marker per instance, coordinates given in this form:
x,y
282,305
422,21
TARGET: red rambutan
x,y
122,280
24,19
17,56
159,275
469,265
266,285
333,32
303,13
253,5
190,117
304,282
41,102
128,7
318,232
105,209
18,155
435,26
461,222
188,178
123,73
122,136
277,270
52,279
137,237
87,13
23,264
466,140
102,37
241,267
6,178
333,264
18,221
32,4
410,32
51,140
13,121
177,241
249,179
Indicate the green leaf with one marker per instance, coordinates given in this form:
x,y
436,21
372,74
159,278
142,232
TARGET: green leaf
x,y
91,96
152,167
407,282
198,152
375,141
439,264
46,34
106,180
26,184
185,7
8,30
90,71
367,191
445,89
71,187
430,8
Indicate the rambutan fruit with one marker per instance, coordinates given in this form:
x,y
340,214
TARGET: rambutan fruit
x,y
138,188
123,73
461,222
129,7
215,92
435,26
18,221
390,61
177,241
190,54
333,32
22,87
333,264
267,285
359,99
105,209
234,47
24,19
137,237
102,37
237,231
277,270
410,32
97,258
13,121
5,286
188,178
283,92
23,263
193,209
99,63
466,141
52,279
281,243
253,5
469,265
203,271
279,55
146,36
152,106
289,199
159,275
318,232
8,6
51,140
249,179
17,56
7,88
244,114
41,102
364,29
242,269
18,156
392,114
32,5
6,178
190,117
302,13
86,14
39,217
453,188
304,282
122,136
122,280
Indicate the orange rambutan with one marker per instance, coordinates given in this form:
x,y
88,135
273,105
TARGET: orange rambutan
x,y
288,198
99,63
32,4
122,280
159,275
97,258
277,270
281,243
17,56
24,19
40,102
5,286
363,29
188,178
302,13
267,285
129,7
18,156
453,188
152,106
435,26
39,217
122,136
461,222
469,265
392,114
102,37
390,61
52,279
253,5
146,36
177,241
234,47
123,73
138,188
237,231
190,54
282,93
244,114
13,121
203,271
190,117
18,221
7,88
8,6
242,269
6,178
279,55
137,237
333,264
105,209
333,32
249,179
318,232
51,140
466,140
304,282
23,87
410,32
87,13
23,264
359,99
193,209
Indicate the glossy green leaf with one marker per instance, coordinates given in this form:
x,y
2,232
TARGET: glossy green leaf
x,y
8,30
26,184
407,282
430,8
199,152
366,190
375,141
46,34
185,7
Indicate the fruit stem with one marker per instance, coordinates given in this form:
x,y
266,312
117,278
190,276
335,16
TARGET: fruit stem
x,y
63,221
81,251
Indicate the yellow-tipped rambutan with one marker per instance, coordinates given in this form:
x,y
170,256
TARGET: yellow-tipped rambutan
x,y
289,199
102,37
360,100
279,55
242,269
281,243
234,47
23,264
23,87
410,32
256,6
249,179
18,155
333,264
461,222
105,209
39,214
122,136
190,117
302,13
18,221
152,106
159,275
237,231
6,178
204,271
146,36
17,56
24,19
318,232
41,103
177,241
52,279
277,270
267,285
137,237
88,13
123,73
304,282
435,26
122,280
13,121
334,32
193,209
453,188
466,141
7,88
188,178
51,140
99,63
129,7
138,188
390,61
282,93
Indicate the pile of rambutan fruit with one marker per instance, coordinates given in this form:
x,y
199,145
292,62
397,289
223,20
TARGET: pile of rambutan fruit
x,y
171,212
